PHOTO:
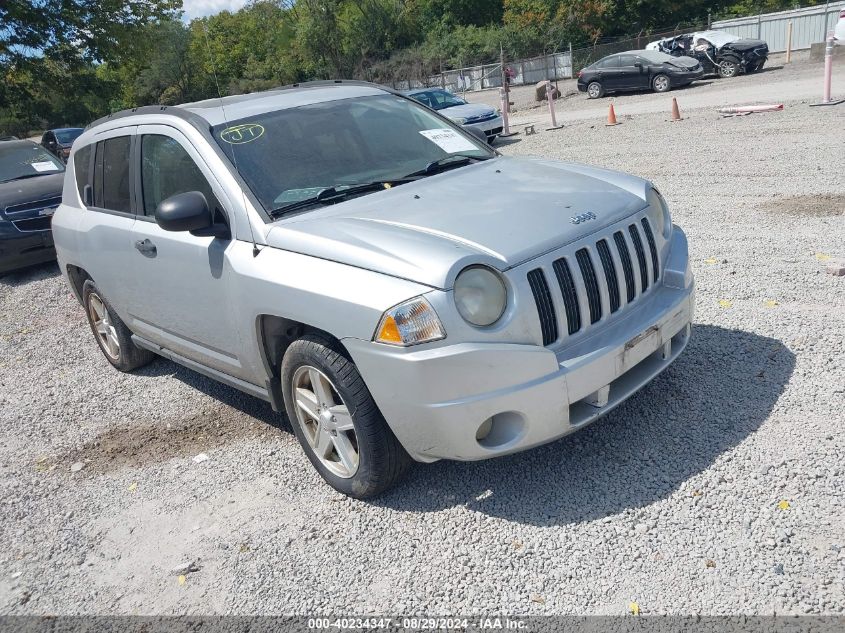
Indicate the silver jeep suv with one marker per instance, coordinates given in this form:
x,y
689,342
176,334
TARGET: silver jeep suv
x,y
401,290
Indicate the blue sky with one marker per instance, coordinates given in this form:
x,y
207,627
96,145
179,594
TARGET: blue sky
x,y
200,8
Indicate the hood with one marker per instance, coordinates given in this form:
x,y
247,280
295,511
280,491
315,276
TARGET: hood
x,y
716,38
499,212
467,111
30,190
746,45
686,62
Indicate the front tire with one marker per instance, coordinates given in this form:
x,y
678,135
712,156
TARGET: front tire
x,y
728,68
595,90
113,337
661,83
336,420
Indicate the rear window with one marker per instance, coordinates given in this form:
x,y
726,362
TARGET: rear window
x,y
65,137
82,169
111,175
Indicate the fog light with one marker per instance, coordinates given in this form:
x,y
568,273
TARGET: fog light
x,y
484,430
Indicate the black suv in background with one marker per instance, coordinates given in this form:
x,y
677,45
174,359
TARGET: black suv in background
x,y
58,141
30,190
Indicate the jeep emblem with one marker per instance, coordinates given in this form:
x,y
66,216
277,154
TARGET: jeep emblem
x,y
582,217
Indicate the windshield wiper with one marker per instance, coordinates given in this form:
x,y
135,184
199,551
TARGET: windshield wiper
x,y
447,162
22,176
338,193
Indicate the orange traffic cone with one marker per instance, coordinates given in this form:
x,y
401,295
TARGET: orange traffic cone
x,y
611,116
676,113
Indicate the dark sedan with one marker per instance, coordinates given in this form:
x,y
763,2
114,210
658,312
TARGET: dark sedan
x,y
30,190
638,70
58,141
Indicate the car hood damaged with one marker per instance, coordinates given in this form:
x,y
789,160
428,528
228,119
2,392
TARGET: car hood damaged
x,y
500,212
745,45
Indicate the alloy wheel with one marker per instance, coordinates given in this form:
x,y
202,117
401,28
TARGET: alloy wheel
x,y
727,68
324,419
661,84
103,327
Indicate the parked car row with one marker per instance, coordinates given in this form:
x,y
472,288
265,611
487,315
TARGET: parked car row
x,y
673,63
719,53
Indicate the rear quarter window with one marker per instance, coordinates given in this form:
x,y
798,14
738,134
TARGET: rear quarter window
x,y
82,169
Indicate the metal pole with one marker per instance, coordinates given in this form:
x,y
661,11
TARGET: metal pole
x,y
828,73
502,66
550,97
571,62
789,42
506,130
828,68
760,25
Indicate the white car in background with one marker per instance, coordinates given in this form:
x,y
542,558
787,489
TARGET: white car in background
x,y
839,31
470,115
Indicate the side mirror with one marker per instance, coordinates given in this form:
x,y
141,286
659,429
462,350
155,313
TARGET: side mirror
x,y
481,136
183,212
638,65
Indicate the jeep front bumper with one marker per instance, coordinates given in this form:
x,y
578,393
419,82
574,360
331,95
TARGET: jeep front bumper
x,y
471,401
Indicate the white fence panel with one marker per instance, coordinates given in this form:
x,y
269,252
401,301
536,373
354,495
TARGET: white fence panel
x,y
809,26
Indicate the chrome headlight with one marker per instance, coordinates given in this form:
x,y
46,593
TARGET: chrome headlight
x,y
410,323
480,295
658,212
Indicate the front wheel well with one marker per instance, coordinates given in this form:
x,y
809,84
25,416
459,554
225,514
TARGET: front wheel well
x,y
277,333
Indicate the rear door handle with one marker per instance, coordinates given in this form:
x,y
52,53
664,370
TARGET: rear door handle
x,y
146,247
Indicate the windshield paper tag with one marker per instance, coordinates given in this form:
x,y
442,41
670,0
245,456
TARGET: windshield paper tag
x,y
44,166
449,140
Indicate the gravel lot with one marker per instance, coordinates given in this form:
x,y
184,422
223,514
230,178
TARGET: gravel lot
x,y
717,489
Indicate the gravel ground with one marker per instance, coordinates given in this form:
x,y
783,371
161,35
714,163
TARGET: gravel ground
x,y
718,489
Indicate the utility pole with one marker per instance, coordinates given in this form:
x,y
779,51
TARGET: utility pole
x,y
502,66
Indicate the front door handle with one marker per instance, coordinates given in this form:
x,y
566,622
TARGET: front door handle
x,y
146,247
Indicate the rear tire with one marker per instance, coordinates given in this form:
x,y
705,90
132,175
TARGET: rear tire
x,y
336,420
595,90
661,83
113,337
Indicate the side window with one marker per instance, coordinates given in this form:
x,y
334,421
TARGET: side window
x,y
610,62
627,60
111,175
167,169
82,169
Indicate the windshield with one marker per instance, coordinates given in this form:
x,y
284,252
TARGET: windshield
x,y
438,99
66,137
26,160
291,155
